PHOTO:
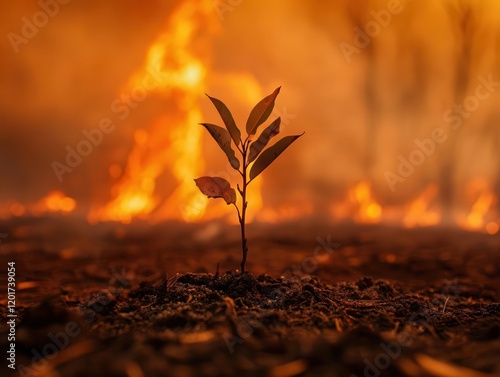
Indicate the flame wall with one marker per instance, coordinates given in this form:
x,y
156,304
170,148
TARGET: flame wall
x,y
362,111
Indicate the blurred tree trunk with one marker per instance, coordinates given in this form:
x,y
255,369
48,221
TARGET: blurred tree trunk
x,y
358,13
462,17
496,129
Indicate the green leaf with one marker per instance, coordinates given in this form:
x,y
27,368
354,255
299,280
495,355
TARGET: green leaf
x,y
261,112
270,154
216,187
272,130
223,138
227,118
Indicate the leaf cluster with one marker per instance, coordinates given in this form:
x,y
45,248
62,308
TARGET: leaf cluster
x,y
253,154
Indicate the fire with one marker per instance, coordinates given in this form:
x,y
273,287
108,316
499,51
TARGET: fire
x,y
482,212
419,211
171,147
56,201
480,208
422,211
171,143
368,210
359,204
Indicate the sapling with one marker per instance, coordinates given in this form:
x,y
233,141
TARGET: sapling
x,y
254,159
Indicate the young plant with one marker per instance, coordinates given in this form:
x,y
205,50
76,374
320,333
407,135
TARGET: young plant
x,y
254,159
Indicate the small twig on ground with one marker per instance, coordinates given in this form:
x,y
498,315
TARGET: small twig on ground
x,y
217,271
173,280
446,302
164,281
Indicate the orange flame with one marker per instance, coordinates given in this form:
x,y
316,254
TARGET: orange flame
x,y
419,211
56,201
173,142
367,208
481,215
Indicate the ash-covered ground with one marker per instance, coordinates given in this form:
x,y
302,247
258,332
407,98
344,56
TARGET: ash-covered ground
x,y
320,300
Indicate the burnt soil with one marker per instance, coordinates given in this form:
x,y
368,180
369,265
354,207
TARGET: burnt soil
x,y
386,302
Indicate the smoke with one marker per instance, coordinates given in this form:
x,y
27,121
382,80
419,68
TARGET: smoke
x,y
361,112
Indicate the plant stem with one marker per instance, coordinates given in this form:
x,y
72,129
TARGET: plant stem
x,y
244,247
